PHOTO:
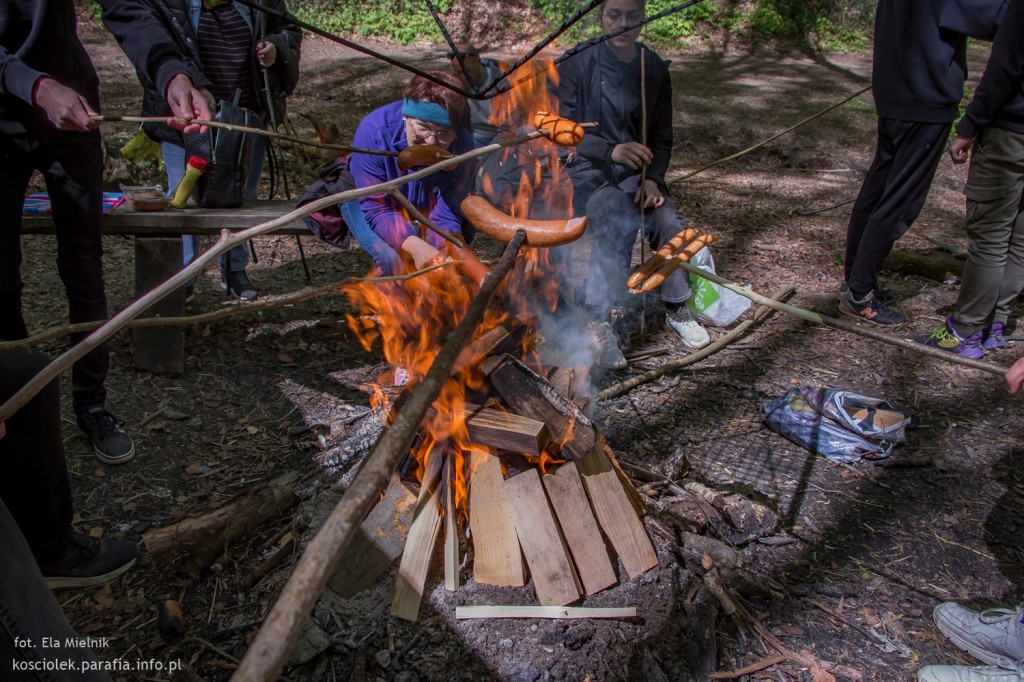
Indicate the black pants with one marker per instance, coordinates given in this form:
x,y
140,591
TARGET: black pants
x,y
35,485
891,197
72,167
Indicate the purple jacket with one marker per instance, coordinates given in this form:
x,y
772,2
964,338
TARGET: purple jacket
x,y
437,196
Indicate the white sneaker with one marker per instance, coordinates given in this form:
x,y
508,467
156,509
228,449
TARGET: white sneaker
x,y
963,673
992,636
689,330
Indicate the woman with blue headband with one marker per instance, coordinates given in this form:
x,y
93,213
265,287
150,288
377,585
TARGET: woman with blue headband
x,y
429,113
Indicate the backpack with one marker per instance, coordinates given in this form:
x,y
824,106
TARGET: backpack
x,y
228,155
328,223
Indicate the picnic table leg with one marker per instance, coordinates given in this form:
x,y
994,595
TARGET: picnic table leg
x,y
159,349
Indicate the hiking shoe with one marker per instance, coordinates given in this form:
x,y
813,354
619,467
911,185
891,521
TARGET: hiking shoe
x,y
689,330
87,561
111,444
882,295
236,283
946,338
994,636
963,673
871,309
994,337
605,343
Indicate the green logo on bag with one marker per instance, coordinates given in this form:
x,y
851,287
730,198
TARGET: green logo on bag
x,y
704,295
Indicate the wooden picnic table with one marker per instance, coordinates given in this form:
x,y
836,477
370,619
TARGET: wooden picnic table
x,y
158,256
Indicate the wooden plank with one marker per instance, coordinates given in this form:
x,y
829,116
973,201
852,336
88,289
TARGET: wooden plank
x,y
160,350
604,460
616,515
412,573
506,431
554,577
451,531
497,559
552,612
582,534
528,394
378,543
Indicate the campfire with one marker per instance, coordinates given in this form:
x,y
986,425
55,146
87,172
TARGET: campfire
x,y
505,465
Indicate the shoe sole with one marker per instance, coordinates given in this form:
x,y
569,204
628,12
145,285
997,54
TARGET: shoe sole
x,y
230,292
65,582
857,316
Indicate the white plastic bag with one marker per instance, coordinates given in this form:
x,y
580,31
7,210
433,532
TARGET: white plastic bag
x,y
713,305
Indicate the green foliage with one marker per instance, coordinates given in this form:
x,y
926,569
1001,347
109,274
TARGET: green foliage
x,y
403,21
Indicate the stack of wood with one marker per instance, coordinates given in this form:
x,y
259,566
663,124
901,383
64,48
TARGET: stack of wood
x,y
566,526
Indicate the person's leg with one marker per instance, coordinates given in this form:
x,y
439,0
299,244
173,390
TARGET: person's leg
x,y
35,485
613,222
28,613
995,183
238,257
871,192
385,258
72,166
174,164
15,171
917,150
1013,276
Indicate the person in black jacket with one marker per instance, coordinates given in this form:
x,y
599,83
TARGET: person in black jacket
x,y
48,93
221,48
993,127
602,84
918,70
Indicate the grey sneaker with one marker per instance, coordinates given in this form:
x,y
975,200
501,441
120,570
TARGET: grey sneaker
x,y
995,636
87,562
689,330
605,343
109,441
963,673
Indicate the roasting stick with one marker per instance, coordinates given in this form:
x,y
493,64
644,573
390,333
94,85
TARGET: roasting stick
x,y
225,243
266,656
643,180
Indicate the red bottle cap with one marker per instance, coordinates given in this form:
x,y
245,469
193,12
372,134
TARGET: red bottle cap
x,y
197,162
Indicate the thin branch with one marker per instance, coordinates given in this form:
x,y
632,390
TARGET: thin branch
x,y
247,129
266,656
424,220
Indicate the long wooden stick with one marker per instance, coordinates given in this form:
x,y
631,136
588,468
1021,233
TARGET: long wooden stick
x,y
227,242
266,657
735,333
246,129
847,326
552,612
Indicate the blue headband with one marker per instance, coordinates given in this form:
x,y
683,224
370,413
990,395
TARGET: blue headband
x,y
426,111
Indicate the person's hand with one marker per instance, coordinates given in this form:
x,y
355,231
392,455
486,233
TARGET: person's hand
x,y
959,148
422,253
649,196
266,53
187,104
632,154
64,108
1015,375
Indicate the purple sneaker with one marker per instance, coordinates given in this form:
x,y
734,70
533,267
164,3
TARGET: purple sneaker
x,y
946,338
994,337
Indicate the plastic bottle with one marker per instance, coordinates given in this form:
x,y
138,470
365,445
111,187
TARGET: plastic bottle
x,y
193,169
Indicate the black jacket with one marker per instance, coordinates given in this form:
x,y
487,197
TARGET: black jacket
x,y
54,50
579,97
999,99
920,60
169,46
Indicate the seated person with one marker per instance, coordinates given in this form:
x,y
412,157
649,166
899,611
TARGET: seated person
x,y
602,84
36,489
479,72
429,113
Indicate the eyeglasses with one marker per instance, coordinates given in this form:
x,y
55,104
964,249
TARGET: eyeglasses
x,y
614,17
425,132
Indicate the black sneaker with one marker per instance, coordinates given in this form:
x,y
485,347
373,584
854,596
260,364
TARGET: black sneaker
x,y
870,309
238,284
86,562
882,295
111,443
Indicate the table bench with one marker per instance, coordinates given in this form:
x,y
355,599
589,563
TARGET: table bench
x,y
158,257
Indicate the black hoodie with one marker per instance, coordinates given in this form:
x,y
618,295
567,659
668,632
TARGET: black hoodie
x,y
920,60
999,99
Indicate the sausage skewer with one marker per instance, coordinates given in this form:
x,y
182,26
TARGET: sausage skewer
x,y
660,257
670,266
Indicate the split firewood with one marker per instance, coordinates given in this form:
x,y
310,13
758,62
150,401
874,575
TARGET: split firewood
x,y
553,612
412,573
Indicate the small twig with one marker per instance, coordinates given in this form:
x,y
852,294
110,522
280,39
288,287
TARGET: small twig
x,y
805,212
842,620
747,670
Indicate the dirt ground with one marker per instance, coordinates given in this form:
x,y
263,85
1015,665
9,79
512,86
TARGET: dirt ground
x,y
846,575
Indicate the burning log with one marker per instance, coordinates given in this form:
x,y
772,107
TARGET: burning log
x,y
506,430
